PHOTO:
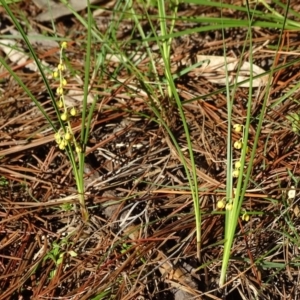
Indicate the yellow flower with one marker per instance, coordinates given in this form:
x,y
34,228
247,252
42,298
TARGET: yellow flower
x,y
237,127
59,91
62,146
78,148
245,217
68,136
64,116
235,173
61,67
57,137
64,45
237,165
60,103
238,145
229,206
221,204
73,111
55,74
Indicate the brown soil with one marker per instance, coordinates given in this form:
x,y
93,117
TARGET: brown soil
x,y
140,241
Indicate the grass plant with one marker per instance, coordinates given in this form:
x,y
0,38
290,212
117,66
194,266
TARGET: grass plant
x,y
191,166
64,134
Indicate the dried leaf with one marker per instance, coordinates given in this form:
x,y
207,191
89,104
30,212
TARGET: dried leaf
x,y
296,210
11,49
214,70
55,10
